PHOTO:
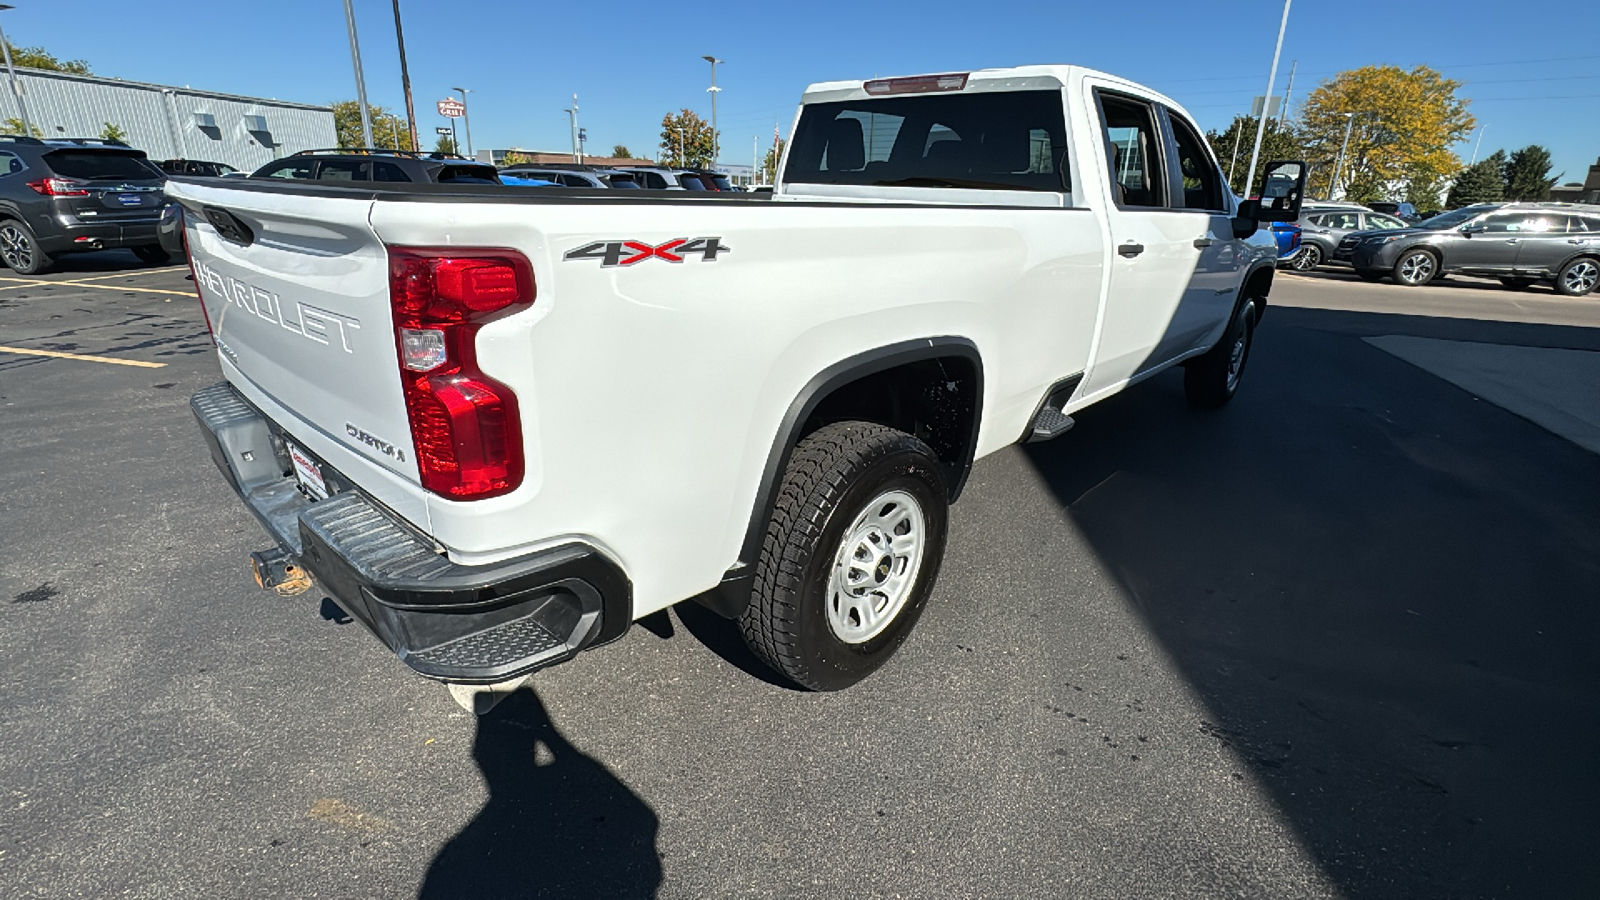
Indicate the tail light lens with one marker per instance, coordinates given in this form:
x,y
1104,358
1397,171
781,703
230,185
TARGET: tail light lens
x,y
59,187
464,424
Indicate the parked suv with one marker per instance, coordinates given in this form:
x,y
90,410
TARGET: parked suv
x,y
1325,225
359,164
72,195
198,167
1519,243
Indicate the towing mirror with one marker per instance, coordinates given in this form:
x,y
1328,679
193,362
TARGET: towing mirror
x,y
1282,190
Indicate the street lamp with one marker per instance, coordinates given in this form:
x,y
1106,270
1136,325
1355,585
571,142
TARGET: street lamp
x,y
714,90
27,126
465,119
572,125
1338,167
1261,123
361,82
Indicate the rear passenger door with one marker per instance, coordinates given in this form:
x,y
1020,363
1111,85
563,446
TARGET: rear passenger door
x,y
1545,244
1156,250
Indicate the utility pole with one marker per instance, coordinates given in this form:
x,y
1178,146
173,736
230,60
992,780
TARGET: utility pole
x,y
572,125
16,88
405,78
1283,114
1475,146
1338,167
465,120
1238,133
716,149
1261,123
755,157
361,81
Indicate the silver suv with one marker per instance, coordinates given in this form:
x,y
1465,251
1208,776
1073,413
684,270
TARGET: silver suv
x,y
1519,243
1323,226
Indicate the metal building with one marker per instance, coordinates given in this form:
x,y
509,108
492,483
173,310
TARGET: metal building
x,y
171,122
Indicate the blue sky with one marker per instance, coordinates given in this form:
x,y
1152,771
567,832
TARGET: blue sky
x,y
1532,69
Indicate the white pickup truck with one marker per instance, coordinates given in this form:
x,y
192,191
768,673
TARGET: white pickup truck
x,y
499,424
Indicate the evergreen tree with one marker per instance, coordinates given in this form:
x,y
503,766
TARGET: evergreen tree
x,y
1527,174
1482,182
1276,143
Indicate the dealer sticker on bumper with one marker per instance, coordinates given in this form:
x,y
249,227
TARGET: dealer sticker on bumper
x,y
308,473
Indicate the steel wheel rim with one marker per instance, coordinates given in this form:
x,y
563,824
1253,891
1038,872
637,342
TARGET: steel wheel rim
x,y
15,247
1581,278
1310,257
1416,268
875,569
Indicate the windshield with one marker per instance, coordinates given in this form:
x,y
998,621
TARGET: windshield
x,y
1453,218
102,165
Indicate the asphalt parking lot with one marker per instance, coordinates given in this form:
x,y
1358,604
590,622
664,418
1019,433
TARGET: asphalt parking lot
x,y
1333,641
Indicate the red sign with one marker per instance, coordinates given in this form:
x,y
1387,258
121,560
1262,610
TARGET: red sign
x,y
452,108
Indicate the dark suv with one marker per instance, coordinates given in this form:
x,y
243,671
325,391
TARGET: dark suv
x,y
1518,243
356,164
67,195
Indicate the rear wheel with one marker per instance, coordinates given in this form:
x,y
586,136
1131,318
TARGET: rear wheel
x,y
20,250
1416,268
1309,257
850,557
152,253
1578,277
1211,380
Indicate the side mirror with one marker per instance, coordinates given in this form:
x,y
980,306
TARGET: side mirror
x,y
1282,190
1246,222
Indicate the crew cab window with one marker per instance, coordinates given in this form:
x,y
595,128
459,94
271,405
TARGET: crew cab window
x,y
1132,152
294,168
1012,141
1202,188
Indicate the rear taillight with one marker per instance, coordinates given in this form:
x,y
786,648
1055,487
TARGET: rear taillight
x,y
464,424
59,187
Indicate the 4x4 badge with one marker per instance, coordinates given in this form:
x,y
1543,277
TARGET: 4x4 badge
x,y
627,253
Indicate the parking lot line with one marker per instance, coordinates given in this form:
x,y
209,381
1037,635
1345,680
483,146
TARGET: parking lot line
x,y
34,282
130,274
85,357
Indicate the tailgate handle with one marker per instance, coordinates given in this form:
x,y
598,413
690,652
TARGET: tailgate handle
x,y
229,226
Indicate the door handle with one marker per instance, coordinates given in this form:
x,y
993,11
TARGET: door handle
x,y
1131,250
1201,243
1513,241
1577,241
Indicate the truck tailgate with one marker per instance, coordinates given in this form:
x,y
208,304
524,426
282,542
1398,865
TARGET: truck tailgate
x,y
296,290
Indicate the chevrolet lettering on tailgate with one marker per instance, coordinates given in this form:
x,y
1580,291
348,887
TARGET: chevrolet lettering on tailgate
x,y
310,322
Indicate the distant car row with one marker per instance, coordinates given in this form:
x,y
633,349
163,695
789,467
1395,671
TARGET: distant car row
x,y
1521,244
347,164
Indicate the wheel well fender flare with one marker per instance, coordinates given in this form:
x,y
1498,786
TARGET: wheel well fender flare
x,y
731,595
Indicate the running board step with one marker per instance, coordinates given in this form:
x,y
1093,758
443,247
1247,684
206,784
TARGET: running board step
x,y
1050,423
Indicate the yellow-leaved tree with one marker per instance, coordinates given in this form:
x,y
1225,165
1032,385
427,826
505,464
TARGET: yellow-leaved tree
x,y
1402,124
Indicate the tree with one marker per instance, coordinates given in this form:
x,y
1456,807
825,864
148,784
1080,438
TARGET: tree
x,y
1403,127
445,144
1482,182
39,58
687,139
513,158
769,166
1527,174
13,125
620,151
388,130
113,133
1276,143
1425,193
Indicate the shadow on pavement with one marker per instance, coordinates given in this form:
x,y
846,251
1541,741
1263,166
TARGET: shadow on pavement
x,y
1383,589
557,823
102,261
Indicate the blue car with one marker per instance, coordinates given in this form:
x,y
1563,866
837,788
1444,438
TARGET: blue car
x,y
526,182
1287,234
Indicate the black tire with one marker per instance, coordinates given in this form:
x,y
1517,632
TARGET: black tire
x,y
1369,275
19,249
836,478
152,253
1578,277
1309,257
1416,268
1211,379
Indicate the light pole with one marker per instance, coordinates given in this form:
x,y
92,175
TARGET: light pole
x,y
465,119
16,89
361,81
714,90
1338,167
572,124
405,78
1261,123
1475,146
